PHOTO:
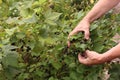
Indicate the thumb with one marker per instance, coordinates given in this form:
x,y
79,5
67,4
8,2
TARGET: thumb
x,y
88,53
81,59
87,34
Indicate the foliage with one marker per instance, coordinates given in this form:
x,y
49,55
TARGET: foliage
x,y
33,35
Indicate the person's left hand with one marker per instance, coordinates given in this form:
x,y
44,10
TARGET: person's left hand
x,y
90,58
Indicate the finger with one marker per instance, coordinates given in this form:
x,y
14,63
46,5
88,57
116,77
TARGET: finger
x,y
81,59
74,32
87,34
84,55
88,53
68,43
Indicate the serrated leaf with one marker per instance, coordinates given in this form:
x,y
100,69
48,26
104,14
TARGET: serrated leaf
x,y
10,60
39,73
93,27
80,15
11,31
50,22
73,76
83,46
51,78
27,4
12,20
10,72
31,44
29,20
23,76
72,65
7,49
56,65
98,47
24,12
20,35
42,1
54,16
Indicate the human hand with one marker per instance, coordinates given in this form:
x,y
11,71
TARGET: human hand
x,y
90,58
82,26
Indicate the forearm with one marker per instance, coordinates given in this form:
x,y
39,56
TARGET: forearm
x,y
112,53
101,7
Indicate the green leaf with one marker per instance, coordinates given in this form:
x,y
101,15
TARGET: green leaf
x,y
31,44
42,1
7,49
24,12
29,20
23,76
72,65
11,72
54,16
50,22
2,75
73,76
56,65
11,31
93,27
1,55
51,78
66,78
12,20
83,46
39,44
80,15
1,67
98,47
20,35
0,1
39,73
114,71
25,8
51,17
10,60
1,45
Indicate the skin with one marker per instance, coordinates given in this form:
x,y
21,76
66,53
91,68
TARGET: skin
x,y
92,57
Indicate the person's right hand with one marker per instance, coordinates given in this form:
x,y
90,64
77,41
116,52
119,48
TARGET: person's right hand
x,y
82,26
92,58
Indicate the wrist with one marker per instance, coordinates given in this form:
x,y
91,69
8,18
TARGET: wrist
x,y
87,19
101,58
106,57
